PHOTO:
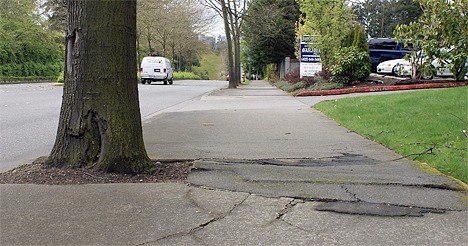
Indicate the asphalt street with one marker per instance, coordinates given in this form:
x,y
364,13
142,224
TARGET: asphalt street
x,y
29,114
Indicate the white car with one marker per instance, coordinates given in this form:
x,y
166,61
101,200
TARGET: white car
x,y
404,68
388,67
156,69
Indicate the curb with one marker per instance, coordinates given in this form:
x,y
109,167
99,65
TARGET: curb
x,y
380,88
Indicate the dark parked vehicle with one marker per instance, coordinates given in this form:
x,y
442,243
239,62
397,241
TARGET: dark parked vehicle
x,y
384,49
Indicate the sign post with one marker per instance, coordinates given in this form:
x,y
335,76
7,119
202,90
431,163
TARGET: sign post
x,y
310,57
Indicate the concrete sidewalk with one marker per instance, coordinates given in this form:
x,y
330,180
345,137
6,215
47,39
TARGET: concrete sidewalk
x,y
269,170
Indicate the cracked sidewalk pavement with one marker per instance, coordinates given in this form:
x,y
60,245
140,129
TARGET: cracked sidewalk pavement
x,y
181,214
258,220
349,179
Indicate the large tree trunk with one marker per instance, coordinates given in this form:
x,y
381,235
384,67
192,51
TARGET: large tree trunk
x,y
100,122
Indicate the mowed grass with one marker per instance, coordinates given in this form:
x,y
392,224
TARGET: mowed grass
x,y
426,126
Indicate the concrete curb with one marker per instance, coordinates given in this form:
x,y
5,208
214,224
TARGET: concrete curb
x,y
380,88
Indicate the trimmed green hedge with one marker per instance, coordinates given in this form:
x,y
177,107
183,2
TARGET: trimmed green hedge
x,y
185,75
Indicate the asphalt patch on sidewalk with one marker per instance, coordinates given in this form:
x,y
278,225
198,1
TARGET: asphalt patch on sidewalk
x,y
373,209
344,159
347,183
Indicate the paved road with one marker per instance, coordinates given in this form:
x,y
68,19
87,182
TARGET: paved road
x,y
29,114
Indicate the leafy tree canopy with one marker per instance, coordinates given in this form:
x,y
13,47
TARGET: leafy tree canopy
x,y
380,17
331,20
27,47
269,31
441,32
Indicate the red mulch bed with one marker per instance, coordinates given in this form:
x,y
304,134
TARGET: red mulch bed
x,y
387,83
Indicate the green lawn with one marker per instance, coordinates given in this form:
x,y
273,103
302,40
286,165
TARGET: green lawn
x,y
423,125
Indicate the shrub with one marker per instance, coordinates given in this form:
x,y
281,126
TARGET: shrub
x,y
294,76
350,65
325,86
185,75
60,78
324,74
288,87
200,72
318,86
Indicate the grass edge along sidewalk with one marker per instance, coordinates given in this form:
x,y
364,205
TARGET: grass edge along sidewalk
x,y
380,88
426,126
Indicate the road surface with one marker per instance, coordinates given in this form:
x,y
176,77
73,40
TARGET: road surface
x,y
29,114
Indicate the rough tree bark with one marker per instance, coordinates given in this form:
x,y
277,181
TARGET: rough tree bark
x,y
100,121
235,30
227,30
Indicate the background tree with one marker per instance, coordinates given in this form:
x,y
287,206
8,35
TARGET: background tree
x,y
269,31
55,12
440,32
340,39
232,12
28,49
100,122
380,17
330,20
175,34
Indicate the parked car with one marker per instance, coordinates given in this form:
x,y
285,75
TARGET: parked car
x,y
404,68
384,49
389,67
155,68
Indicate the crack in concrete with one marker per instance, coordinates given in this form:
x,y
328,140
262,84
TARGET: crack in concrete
x,y
346,189
221,216
285,210
192,201
296,226
199,227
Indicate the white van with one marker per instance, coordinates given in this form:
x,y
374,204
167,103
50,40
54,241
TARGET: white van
x,y
156,69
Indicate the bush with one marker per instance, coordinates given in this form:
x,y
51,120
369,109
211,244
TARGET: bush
x,y
287,86
185,75
325,86
350,65
200,72
60,78
294,76
29,79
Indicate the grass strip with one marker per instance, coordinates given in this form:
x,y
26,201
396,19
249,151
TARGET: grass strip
x,y
427,126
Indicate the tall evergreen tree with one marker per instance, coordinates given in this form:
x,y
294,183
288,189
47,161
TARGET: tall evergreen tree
x,y
269,30
380,17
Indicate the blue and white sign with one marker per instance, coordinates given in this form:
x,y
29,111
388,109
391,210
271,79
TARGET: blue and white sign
x,y
310,57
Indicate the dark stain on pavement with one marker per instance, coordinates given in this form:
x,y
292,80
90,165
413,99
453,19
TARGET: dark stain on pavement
x,y
374,209
340,160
